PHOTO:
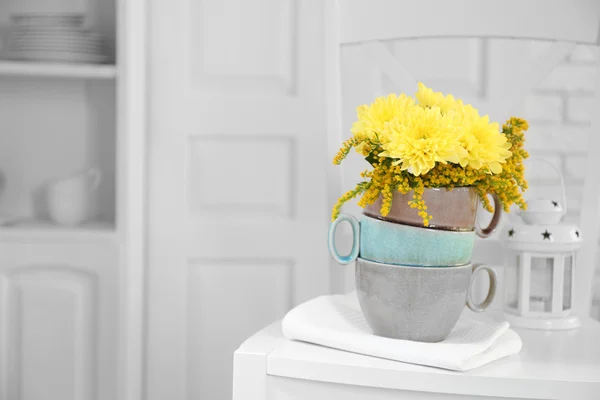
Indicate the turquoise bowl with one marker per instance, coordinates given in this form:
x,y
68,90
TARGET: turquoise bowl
x,y
394,243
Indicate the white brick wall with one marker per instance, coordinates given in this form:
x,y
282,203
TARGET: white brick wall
x,y
575,166
544,107
556,137
572,77
579,108
583,54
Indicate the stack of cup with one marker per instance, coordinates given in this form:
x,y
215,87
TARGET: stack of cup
x,y
413,281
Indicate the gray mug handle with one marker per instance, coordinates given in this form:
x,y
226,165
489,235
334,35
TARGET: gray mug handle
x,y
491,292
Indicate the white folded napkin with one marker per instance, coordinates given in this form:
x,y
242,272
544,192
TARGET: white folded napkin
x,y
337,321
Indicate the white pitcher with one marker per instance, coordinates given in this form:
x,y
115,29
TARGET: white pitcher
x,y
69,198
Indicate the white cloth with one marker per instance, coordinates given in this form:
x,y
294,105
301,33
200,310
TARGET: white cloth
x,y
337,321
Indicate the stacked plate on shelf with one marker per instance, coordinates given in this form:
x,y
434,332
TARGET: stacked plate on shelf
x,y
55,37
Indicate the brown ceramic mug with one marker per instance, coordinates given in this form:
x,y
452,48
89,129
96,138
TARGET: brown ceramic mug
x,y
452,209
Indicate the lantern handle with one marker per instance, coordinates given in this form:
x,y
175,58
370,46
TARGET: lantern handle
x,y
562,181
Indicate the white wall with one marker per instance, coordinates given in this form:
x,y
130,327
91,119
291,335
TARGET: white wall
x,y
558,109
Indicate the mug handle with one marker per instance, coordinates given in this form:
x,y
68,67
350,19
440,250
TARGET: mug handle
x,y
355,240
491,292
96,176
487,231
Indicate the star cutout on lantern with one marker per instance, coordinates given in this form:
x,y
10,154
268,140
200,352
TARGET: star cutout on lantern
x,y
511,233
554,203
577,233
546,235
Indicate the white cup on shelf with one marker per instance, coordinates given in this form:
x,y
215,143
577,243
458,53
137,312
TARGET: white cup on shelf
x,y
70,198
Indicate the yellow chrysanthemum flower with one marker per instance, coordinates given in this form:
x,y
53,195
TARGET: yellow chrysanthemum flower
x,y
485,145
373,118
421,138
418,134
426,97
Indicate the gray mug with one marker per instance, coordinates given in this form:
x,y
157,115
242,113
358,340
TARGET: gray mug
x,y
417,303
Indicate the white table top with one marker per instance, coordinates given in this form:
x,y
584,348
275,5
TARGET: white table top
x,y
551,365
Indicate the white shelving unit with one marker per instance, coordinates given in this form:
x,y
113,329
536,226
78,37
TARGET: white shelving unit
x,y
57,70
46,231
67,282
57,118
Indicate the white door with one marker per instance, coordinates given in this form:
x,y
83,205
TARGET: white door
x,y
238,212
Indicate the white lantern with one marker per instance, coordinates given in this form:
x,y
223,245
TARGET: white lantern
x,y
540,268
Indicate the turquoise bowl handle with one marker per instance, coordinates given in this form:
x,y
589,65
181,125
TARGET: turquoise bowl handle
x,y
355,241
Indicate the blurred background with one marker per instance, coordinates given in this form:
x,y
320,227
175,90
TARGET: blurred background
x,y
166,178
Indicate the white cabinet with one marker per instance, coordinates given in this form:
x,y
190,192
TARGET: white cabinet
x,y
58,320
71,297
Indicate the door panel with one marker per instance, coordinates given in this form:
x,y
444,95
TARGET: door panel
x,y
238,209
51,333
58,321
262,294
259,190
242,46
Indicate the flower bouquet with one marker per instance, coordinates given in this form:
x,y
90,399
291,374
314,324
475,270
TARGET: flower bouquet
x,y
433,141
